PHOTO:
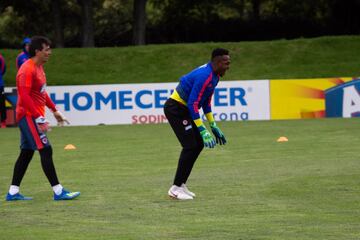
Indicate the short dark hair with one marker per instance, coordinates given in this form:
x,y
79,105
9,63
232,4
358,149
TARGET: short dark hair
x,y
219,52
36,43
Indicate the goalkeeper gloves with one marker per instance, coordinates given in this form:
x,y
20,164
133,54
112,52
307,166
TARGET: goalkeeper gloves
x,y
219,135
60,118
207,138
42,124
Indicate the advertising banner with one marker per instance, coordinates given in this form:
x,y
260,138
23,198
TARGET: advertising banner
x,y
343,100
143,103
232,101
315,98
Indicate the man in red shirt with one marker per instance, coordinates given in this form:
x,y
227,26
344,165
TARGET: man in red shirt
x,y
30,115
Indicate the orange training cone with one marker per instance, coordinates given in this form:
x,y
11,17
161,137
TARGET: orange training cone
x,y
69,147
282,139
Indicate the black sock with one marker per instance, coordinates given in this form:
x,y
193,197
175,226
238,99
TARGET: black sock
x,y
48,165
21,165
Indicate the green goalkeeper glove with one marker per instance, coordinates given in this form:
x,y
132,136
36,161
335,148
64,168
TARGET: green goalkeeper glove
x,y
219,135
207,139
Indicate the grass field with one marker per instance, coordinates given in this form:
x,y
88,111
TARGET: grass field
x,y
253,188
300,58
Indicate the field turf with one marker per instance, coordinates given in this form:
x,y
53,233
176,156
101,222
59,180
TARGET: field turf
x,y
252,188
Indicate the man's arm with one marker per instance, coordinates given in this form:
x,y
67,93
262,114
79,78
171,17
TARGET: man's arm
x,y
20,60
219,135
60,118
193,105
195,97
207,109
2,65
49,103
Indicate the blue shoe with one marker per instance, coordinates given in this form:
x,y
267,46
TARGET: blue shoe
x,y
66,195
16,197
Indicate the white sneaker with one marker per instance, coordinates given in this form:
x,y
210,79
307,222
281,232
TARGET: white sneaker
x,y
178,193
187,191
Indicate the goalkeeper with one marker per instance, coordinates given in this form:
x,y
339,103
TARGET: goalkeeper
x,y
182,111
30,115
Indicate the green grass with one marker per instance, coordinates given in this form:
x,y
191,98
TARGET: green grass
x,y
253,188
301,58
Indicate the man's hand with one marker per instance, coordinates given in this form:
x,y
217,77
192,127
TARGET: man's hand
x,y
207,139
60,118
42,124
219,135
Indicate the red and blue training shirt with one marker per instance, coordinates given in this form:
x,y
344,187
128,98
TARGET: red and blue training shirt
x,y
32,95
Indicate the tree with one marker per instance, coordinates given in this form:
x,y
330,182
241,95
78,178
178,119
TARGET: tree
x,y
58,25
139,25
256,10
87,23
19,19
345,16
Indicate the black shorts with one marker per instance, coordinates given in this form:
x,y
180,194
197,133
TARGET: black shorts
x,y
181,122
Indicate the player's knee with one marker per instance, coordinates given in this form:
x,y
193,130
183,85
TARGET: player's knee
x,y
200,147
193,146
26,155
46,151
27,152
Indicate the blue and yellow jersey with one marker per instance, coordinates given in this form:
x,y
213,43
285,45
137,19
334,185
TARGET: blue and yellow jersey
x,y
195,91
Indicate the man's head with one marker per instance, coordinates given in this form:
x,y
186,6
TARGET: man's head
x,y
25,44
40,49
220,61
